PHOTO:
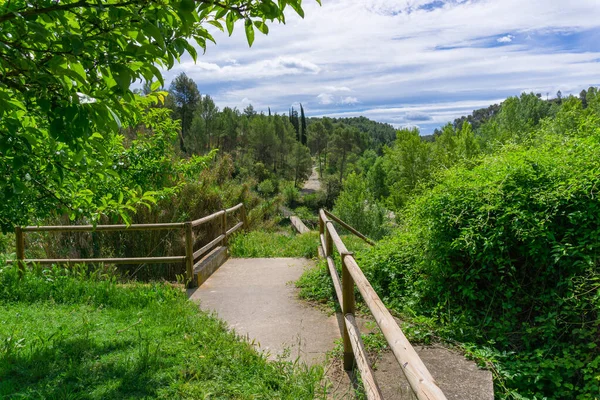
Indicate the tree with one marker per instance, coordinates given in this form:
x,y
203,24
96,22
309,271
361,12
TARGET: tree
x,y
343,142
317,139
301,163
249,111
185,99
208,112
65,74
295,123
303,134
408,163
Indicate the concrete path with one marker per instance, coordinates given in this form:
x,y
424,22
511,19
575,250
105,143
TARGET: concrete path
x,y
257,298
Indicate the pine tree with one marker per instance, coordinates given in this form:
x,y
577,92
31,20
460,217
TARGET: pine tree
x,y
186,96
303,124
295,123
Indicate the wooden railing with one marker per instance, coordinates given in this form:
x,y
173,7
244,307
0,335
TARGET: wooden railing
x,y
419,378
189,258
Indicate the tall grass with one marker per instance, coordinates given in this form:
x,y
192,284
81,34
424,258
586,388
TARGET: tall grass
x,y
274,244
71,334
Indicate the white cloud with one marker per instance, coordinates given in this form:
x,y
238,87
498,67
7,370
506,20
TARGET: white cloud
x,y
325,98
399,55
349,100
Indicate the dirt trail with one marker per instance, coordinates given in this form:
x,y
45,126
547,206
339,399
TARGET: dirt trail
x,y
313,183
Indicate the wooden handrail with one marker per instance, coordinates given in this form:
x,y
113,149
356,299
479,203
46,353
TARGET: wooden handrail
x,y
188,258
105,228
419,378
351,229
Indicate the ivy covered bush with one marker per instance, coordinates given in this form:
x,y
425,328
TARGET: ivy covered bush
x,y
505,256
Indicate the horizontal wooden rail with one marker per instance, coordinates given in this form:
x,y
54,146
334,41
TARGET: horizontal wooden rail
x,y
362,362
234,228
351,229
105,228
234,208
209,246
131,260
419,378
188,258
208,218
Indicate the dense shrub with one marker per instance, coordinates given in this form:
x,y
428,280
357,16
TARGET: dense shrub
x,y
505,255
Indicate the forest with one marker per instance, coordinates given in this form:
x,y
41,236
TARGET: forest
x,y
488,230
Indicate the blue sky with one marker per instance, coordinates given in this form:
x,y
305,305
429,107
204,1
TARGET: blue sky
x,y
405,62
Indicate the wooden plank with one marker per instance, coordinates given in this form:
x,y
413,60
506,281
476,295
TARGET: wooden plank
x,y
208,246
323,244
299,225
208,218
235,228
351,229
348,307
209,264
105,228
337,283
419,378
133,260
366,373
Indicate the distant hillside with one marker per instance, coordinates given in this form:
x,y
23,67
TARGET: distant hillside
x,y
379,133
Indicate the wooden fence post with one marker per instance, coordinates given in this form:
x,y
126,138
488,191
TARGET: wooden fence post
x,y
20,245
224,227
348,307
189,254
244,217
328,242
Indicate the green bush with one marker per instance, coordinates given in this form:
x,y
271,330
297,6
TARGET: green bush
x,y
506,256
290,193
267,188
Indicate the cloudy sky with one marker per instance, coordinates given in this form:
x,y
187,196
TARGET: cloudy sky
x,y
405,62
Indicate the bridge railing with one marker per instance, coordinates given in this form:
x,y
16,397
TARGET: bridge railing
x,y
189,258
419,378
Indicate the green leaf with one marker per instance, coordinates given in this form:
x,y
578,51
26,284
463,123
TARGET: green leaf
x,y
295,4
249,31
262,27
217,24
155,85
230,21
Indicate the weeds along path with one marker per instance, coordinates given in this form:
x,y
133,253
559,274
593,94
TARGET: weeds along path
x,y
257,299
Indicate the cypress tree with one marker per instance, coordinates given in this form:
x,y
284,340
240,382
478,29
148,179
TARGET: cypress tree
x,y
303,123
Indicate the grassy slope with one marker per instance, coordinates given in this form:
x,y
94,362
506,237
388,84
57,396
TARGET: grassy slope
x,y
66,335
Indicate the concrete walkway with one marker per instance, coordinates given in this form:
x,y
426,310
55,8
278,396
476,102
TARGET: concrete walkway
x,y
257,298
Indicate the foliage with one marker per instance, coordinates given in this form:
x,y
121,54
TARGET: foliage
x,y
357,207
69,334
184,97
259,244
290,194
65,75
505,256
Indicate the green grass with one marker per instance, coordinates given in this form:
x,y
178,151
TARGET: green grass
x,y
67,335
274,244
